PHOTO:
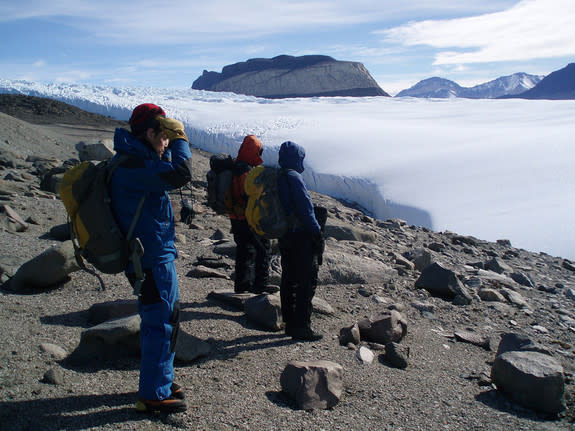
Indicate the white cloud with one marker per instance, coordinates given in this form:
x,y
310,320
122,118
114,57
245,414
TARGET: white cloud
x,y
531,29
181,21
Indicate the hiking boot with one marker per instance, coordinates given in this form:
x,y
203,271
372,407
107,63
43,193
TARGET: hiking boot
x,y
172,404
178,392
305,334
268,288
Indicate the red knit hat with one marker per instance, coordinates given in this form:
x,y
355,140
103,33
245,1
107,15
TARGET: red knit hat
x,y
143,115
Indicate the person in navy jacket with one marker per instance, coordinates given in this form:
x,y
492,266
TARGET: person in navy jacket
x,y
298,247
159,160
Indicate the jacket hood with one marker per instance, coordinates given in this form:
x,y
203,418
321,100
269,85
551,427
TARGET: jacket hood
x,y
125,142
291,156
250,151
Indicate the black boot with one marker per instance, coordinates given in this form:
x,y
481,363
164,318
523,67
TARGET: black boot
x,y
305,334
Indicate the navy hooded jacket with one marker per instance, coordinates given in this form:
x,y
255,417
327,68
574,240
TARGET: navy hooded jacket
x,y
145,174
292,190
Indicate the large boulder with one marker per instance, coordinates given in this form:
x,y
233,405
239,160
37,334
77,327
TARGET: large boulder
x,y
264,310
97,151
443,282
532,379
286,76
314,384
46,270
389,326
340,266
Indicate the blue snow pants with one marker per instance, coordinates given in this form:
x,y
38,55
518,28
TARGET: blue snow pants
x,y
159,309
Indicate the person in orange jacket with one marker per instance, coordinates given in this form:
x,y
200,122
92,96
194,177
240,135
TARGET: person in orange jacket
x,y
252,251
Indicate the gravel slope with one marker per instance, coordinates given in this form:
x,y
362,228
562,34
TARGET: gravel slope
x,y
237,386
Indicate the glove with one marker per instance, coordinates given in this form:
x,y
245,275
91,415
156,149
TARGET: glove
x,y
320,214
318,247
174,129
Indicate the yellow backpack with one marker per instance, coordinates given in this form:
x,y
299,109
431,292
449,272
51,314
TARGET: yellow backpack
x,y
96,235
264,212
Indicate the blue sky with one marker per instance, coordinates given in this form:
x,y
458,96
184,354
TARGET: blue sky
x,y
169,43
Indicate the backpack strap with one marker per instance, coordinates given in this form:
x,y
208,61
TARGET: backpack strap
x,y
78,256
136,247
293,220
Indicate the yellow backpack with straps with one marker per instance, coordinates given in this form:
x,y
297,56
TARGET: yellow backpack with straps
x,y
95,232
264,212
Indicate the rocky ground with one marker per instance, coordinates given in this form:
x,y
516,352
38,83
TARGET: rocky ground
x,y
369,266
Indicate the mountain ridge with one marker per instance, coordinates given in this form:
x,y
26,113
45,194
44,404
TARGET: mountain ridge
x,y
437,87
558,85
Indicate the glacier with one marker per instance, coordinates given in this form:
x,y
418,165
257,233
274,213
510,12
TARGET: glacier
x,y
492,169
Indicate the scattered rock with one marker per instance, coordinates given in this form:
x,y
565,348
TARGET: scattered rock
x,y
364,355
190,348
511,341
46,270
264,310
498,266
491,295
101,150
396,355
102,312
443,282
201,271
473,338
383,328
53,376
532,379
349,335
522,279
54,351
314,384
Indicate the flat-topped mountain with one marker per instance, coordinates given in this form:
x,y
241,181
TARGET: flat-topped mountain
x,y
286,76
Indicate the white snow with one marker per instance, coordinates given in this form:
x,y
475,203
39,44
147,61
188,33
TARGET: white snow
x,y
494,169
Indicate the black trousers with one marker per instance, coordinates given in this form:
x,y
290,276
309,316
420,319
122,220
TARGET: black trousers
x,y
299,279
252,258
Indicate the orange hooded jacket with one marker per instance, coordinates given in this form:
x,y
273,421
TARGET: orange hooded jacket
x,y
249,155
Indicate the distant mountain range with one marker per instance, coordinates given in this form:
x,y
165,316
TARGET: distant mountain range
x,y
511,85
558,85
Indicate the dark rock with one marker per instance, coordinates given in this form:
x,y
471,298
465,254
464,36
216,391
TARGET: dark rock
x,y
350,334
532,379
60,232
314,384
522,279
383,328
46,270
104,311
511,341
264,310
473,338
396,355
498,266
568,265
442,282
53,376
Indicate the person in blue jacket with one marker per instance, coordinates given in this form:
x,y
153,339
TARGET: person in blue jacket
x,y
298,247
156,158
